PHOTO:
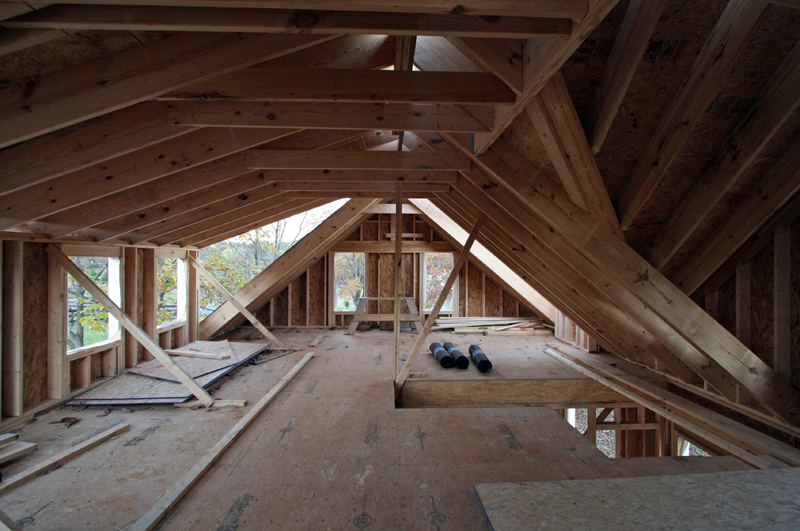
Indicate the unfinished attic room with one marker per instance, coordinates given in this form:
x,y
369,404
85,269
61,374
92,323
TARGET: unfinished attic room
x,y
495,265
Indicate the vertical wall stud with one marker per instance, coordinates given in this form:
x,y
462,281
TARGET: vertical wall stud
x,y
131,304
149,302
782,357
193,296
12,328
57,365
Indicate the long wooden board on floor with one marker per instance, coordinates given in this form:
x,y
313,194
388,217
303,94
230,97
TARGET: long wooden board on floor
x,y
722,500
156,513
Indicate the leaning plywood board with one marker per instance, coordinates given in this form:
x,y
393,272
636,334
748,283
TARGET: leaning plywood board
x,y
745,500
209,350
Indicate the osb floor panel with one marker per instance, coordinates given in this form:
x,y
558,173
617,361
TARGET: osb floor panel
x,y
330,452
747,500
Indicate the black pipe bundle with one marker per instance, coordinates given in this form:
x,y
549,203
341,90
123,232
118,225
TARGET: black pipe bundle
x,y
442,356
462,362
480,359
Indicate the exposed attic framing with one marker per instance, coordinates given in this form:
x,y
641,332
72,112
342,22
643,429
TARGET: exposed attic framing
x,y
632,167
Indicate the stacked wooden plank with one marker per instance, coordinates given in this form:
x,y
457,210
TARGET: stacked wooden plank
x,y
11,447
494,326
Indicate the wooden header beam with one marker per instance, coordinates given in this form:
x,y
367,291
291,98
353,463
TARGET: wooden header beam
x,y
356,160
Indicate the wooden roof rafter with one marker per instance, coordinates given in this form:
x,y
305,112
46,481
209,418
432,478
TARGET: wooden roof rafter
x,y
719,55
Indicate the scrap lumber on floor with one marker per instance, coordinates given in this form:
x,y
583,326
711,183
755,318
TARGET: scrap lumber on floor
x,y
47,465
721,500
15,449
156,513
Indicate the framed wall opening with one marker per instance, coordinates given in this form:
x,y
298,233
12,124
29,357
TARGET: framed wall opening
x,y
436,267
350,282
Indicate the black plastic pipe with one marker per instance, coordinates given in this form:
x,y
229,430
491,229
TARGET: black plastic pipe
x,y
442,356
462,362
480,359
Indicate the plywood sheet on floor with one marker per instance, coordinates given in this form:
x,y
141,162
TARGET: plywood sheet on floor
x,y
158,387
744,500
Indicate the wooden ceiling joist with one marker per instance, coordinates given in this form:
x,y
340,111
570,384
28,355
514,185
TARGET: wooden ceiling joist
x,y
626,54
367,52
345,187
719,55
389,116
283,270
375,194
767,197
573,9
556,121
347,85
355,160
87,143
173,18
658,305
776,103
132,76
121,173
360,176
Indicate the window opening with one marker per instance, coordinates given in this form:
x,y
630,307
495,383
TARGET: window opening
x,y
350,280
87,321
438,267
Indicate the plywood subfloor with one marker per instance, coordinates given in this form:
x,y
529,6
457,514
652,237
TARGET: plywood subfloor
x,y
331,452
750,500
